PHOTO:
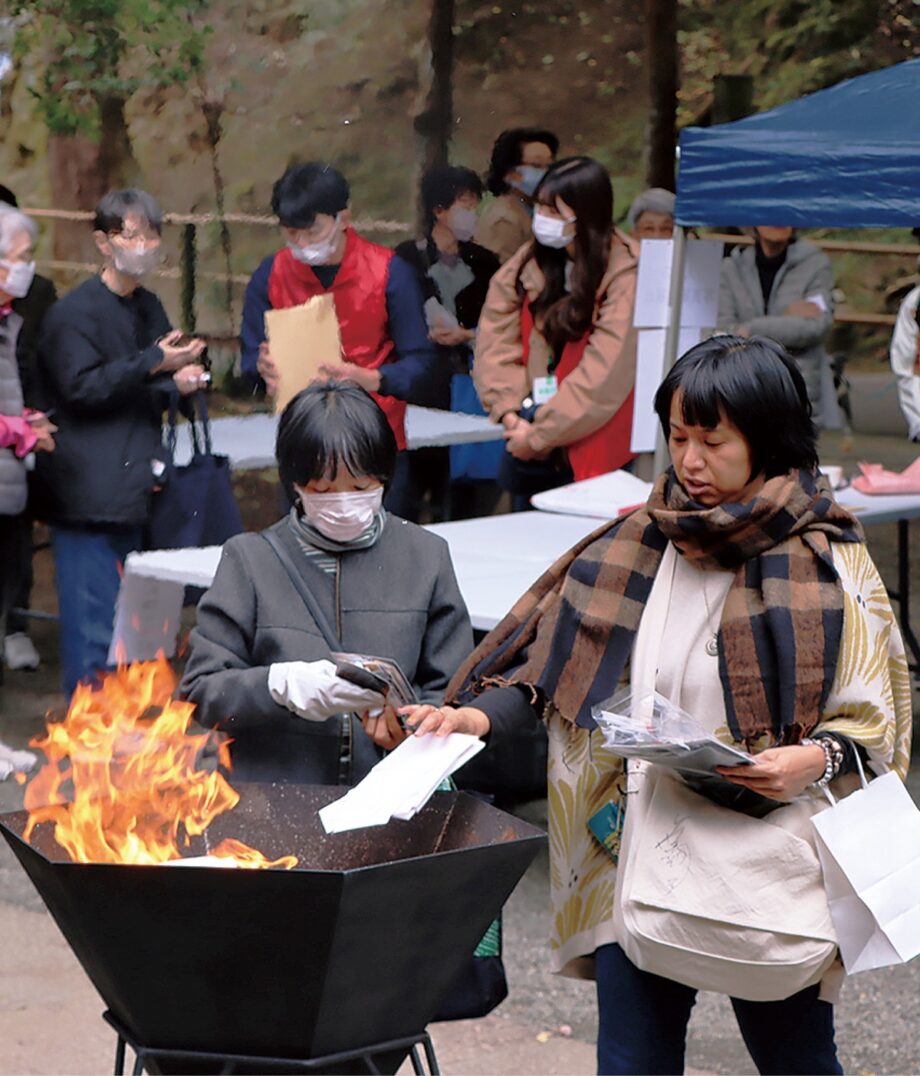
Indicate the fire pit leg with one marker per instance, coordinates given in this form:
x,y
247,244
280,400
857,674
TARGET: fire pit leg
x,y
120,1057
364,1054
430,1057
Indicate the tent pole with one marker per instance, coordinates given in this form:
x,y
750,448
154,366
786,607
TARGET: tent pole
x,y
672,334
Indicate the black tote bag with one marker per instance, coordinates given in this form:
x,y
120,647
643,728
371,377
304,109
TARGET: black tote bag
x,y
196,506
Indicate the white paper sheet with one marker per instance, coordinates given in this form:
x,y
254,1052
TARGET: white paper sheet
x,y
701,283
400,785
649,372
146,618
604,497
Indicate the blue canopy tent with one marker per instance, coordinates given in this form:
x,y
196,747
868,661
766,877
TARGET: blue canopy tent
x,y
844,157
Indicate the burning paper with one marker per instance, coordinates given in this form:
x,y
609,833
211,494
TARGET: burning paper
x,y
123,782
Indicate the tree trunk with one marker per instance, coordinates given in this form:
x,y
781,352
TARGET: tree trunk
x,y
434,123
662,63
82,169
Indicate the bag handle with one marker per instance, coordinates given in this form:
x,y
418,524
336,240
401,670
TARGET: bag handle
x,y
172,431
201,403
319,617
832,799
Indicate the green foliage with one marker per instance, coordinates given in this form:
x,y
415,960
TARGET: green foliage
x,y
791,47
90,51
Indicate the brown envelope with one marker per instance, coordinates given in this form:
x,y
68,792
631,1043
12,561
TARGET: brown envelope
x,y
301,339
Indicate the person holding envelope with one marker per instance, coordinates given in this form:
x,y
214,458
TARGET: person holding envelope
x,y
743,593
378,303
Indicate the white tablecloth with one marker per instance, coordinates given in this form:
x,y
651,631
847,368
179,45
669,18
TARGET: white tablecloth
x,y
496,558
249,440
603,497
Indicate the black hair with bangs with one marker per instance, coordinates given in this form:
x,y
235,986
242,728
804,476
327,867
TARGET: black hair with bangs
x,y
333,424
442,186
307,189
752,382
567,311
507,151
113,208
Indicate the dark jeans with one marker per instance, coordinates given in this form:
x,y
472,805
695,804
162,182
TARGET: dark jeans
x,y
10,528
642,1025
429,470
87,570
23,576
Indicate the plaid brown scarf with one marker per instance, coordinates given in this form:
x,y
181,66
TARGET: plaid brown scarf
x,y
571,635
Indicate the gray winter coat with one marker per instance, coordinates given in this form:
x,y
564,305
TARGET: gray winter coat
x,y
397,599
13,490
805,272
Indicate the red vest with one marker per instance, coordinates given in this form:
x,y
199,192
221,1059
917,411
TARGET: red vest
x,y
359,293
607,448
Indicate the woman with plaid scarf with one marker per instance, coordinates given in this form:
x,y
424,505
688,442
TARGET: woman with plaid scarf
x,y
744,593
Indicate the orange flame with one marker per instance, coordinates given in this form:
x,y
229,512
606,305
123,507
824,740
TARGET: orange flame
x,y
122,783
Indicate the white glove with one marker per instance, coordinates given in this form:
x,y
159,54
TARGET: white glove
x,y
312,690
15,761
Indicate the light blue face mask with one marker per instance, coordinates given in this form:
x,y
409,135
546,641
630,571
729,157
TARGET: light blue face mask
x,y
530,179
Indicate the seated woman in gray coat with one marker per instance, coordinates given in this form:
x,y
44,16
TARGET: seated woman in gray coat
x,y
260,665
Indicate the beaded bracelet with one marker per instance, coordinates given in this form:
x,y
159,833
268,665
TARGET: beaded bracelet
x,y
832,760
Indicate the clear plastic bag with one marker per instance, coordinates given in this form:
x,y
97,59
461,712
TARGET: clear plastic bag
x,y
651,727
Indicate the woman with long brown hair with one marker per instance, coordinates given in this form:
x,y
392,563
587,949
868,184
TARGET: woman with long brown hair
x,y
555,357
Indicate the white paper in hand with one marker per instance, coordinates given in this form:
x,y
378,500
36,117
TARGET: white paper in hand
x,y
400,785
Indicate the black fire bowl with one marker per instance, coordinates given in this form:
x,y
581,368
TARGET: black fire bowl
x,y
355,946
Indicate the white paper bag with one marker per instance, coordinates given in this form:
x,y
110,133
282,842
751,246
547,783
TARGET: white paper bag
x,y
869,845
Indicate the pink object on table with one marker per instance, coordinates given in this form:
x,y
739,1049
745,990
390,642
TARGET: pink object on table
x,y
875,479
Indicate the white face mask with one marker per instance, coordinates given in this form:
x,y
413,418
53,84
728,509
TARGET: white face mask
x,y
135,262
462,222
553,231
19,276
320,253
342,516
530,179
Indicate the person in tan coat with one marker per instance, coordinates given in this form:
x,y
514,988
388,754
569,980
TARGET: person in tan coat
x,y
555,355
520,158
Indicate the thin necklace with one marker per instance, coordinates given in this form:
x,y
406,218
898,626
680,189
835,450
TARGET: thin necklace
x,y
712,643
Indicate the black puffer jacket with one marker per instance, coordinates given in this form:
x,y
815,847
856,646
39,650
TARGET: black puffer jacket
x,y
420,254
95,358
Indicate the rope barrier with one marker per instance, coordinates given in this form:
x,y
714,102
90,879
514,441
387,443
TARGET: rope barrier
x,y
167,272
397,227
367,224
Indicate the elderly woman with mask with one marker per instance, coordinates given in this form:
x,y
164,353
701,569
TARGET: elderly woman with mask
x,y
22,430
